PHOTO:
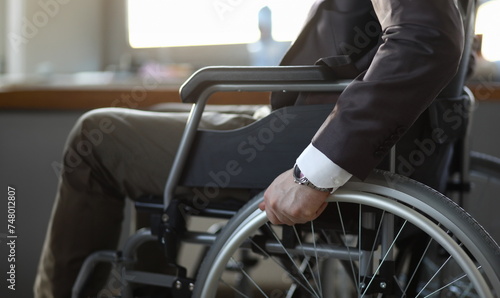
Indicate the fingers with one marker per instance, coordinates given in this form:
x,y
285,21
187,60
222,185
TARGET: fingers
x,y
293,210
274,213
262,206
278,218
289,210
289,203
283,218
273,217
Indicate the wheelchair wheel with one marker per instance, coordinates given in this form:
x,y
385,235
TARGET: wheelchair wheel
x,y
363,228
482,200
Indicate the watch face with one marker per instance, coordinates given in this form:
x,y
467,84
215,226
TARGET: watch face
x,y
300,179
297,176
296,172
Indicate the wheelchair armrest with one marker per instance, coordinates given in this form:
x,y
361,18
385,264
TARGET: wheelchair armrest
x,y
208,80
241,76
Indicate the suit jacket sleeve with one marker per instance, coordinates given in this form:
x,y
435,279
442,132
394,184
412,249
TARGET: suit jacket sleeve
x,y
421,46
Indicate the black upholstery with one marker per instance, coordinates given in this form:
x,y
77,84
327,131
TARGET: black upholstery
x,y
251,157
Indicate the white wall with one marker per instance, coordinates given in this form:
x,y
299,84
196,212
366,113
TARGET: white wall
x,y
115,42
3,24
54,35
66,36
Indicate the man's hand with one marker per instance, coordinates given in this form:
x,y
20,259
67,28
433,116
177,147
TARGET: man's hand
x,y
287,202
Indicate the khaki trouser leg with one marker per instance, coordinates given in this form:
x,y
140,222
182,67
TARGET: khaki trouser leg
x,y
111,154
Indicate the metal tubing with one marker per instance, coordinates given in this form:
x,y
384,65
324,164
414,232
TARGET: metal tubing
x,y
197,111
88,266
308,249
134,241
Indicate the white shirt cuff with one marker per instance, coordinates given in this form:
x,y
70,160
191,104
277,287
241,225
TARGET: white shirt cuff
x,y
320,170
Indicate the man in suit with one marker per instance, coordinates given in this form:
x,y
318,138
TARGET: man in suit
x,y
401,54
398,76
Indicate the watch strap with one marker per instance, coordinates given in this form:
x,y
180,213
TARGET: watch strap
x,y
299,178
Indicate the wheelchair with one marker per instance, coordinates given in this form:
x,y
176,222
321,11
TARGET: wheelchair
x,y
386,236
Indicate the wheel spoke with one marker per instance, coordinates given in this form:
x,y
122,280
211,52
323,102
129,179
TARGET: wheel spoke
x,y
316,257
344,233
311,288
307,258
417,266
385,256
373,224
455,280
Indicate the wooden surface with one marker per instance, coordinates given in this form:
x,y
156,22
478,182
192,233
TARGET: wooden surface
x,y
85,99
75,98
486,91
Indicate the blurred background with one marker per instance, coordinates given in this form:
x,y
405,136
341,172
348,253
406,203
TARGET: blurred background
x,y
60,58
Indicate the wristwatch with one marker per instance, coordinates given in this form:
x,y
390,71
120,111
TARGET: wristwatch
x,y
299,178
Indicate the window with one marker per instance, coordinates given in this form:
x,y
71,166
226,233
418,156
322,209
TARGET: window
x,y
488,25
166,23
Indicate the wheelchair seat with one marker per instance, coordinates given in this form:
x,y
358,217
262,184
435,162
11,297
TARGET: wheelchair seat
x,y
252,156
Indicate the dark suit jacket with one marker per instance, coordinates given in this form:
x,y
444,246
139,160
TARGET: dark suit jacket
x,y
401,54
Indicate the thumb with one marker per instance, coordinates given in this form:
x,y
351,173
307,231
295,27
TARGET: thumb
x,y
262,206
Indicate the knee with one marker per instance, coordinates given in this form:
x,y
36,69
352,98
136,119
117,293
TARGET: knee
x,y
91,128
93,125
87,136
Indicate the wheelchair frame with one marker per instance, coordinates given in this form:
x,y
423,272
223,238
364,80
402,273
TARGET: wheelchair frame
x,y
180,282
197,90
